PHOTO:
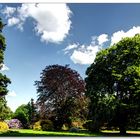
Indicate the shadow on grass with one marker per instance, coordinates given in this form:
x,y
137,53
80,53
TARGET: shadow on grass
x,y
11,133
108,134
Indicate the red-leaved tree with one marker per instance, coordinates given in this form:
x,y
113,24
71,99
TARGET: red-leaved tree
x,y
61,95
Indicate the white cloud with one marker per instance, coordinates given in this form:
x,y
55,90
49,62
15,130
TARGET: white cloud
x,y
102,38
117,36
51,21
12,93
4,67
8,11
70,47
85,54
13,21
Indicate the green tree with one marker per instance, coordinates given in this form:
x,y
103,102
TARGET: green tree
x,y
60,95
6,112
113,84
32,112
4,81
21,114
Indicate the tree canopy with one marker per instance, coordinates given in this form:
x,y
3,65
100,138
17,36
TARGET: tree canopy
x,y
4,81
115,77
60,94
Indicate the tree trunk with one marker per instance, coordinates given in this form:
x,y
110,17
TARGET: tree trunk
x,y
122,130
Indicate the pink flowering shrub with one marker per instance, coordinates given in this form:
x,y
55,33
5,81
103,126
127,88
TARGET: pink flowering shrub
x,y
14,123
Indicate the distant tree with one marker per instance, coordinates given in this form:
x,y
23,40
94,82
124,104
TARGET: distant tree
x,y
60,94
32,112
113,85
21,114
4,81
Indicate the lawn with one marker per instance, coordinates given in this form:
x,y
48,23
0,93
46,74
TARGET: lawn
x,y
33,133
27,132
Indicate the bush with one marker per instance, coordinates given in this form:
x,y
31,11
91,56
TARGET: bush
x,y
74,129
3,126
37,126
43,125
14,123
88,125
91,126
77,124
46,125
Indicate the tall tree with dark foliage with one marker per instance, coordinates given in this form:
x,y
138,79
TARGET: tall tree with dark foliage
x,y
61,94
113,85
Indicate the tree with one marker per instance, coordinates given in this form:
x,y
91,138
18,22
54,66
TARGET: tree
x,y
115,76
5,111
32,112
60,94
4,81
21,114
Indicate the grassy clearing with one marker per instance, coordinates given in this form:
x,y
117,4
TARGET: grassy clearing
x,y
33,133
27,132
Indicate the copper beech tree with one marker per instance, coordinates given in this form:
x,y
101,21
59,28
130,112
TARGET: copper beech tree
x,y
61,95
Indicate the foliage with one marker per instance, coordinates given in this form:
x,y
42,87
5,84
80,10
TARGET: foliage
x,y
37,126
5,111
14,123
78,123
46,125
113,84
21,114
32,112
61,95
3,126
4,81
27,114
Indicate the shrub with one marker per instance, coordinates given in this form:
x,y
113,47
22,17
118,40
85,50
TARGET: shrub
x,y
3,126
46,125
43,125
37,126
74,129
65,127
77,124
90,125
14,123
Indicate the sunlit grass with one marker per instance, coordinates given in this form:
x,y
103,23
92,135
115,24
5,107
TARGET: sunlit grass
x,y
33,133
28,132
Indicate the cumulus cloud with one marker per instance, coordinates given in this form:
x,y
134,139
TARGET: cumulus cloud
x,y
8,11
4,67
70,47
117,36
85,54
12,93
51,21
13,21
102,38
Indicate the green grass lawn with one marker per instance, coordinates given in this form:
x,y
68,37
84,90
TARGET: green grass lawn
x,y
33,133
27,132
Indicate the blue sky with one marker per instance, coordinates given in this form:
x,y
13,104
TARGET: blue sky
x,y
38,35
